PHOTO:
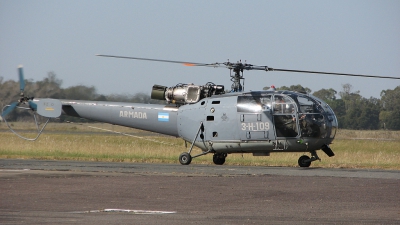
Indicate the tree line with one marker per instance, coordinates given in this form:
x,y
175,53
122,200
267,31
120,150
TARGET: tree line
x,y
50,87
352,110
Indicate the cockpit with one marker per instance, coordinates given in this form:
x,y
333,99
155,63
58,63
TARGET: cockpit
x,y
293,114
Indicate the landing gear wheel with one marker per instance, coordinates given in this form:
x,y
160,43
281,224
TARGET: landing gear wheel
x,y
185,158
304,161
219,158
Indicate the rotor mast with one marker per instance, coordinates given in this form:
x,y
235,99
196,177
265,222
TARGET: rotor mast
x,y
237,76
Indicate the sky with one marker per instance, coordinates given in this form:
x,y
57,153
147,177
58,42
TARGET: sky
x,y
357,36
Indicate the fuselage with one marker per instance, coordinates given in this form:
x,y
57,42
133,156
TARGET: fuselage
x,y
255,122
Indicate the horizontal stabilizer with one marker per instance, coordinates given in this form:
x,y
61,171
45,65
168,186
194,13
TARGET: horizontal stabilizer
x,y
48,107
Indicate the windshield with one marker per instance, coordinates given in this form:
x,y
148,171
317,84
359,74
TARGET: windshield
x,y
316,118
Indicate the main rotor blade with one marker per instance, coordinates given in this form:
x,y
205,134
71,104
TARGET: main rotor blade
x,y
245,66
21,78
9,109
330,73
162,60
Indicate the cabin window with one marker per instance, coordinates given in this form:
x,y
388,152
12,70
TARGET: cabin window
x,y
253,104
283,105
285,116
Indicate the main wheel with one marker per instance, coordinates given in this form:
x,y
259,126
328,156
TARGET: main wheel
x,y
304,161
219,158
185,158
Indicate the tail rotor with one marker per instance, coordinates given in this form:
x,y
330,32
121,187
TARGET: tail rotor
x,y
49,108
21,79
23,100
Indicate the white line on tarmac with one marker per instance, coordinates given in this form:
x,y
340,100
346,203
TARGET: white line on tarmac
x,y
130,211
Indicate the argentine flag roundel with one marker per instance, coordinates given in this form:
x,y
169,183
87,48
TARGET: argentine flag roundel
x,y
163,117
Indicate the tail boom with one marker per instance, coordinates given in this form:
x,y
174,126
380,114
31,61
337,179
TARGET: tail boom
x,y
151,117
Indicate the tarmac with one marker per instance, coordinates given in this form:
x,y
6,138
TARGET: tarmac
x,y
77,192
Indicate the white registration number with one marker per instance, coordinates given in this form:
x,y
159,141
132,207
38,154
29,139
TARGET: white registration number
x,y
256,126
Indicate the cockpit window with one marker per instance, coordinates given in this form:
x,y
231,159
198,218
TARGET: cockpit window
x,y
316,119
306,104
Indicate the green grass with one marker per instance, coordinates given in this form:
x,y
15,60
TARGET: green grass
x,y
353,149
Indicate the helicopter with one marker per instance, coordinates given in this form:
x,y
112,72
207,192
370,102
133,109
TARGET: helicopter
x,y
217,121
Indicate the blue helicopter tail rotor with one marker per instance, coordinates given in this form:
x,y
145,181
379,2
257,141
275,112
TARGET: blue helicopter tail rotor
x,y
50,108
8,109
21,79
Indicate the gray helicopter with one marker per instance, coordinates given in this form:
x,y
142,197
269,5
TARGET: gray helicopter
x,y
211,118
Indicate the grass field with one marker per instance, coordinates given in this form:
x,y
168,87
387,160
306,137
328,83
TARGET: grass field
x,y
61,141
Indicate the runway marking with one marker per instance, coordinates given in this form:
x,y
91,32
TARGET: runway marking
x,y
15,170
130,211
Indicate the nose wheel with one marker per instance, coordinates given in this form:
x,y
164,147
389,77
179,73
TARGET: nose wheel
x,y
305,161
